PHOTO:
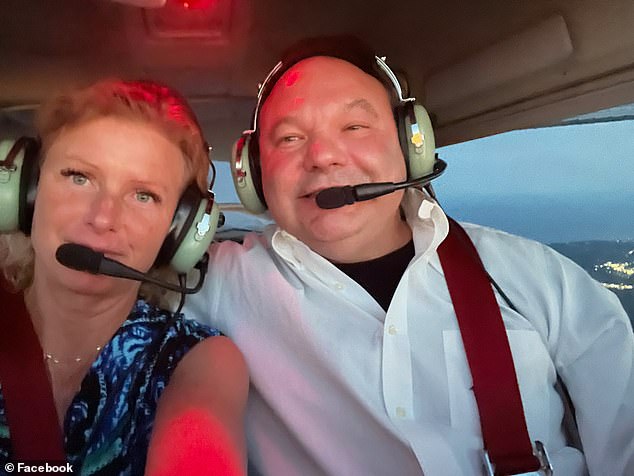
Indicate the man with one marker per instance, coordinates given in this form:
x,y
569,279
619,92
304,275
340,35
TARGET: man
x,y
344,314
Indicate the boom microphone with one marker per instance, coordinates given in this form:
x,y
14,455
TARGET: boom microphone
x,y
82,258
336,197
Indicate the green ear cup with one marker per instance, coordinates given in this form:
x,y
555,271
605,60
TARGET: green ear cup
x,y
10,189
421,143
197,239
243,176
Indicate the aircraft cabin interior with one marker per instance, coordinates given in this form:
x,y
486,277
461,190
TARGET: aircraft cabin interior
x,y
531,105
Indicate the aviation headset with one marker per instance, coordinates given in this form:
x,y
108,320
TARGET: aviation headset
x,y
191,231
414,127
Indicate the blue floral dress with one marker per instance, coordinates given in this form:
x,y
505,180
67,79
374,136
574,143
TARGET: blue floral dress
x,y
108,425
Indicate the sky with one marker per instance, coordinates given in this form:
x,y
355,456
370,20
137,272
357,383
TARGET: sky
x,y
555,184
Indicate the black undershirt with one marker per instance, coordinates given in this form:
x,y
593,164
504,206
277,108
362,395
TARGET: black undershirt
x,y
380,276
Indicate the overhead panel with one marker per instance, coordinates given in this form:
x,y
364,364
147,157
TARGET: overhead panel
x,y
206,20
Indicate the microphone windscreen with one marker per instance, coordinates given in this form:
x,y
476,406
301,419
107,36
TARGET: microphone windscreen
x,y
79,257
335,197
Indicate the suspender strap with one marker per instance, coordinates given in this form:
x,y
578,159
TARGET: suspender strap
x,y
489,356
29,406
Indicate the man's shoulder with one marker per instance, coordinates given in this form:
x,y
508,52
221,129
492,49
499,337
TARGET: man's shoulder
x,y
494,244
486,236
228,254
251,240
506,253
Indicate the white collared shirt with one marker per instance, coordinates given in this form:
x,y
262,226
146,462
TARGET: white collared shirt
x,y
341,387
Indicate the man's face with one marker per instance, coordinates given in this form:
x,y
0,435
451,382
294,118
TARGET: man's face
x,y
327,123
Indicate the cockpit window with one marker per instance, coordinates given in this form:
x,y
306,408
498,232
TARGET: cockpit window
x,y
570,186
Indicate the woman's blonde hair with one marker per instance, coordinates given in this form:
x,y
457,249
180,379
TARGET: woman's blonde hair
x,y
146,101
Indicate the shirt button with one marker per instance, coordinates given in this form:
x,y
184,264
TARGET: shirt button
x,y
338,286
392,330
400,412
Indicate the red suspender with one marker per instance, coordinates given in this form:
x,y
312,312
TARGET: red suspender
x,y
489,356
28,399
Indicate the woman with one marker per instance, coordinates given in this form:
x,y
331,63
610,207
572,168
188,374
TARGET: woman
x,y
114,160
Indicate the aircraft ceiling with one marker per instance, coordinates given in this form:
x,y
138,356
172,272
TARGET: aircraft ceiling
x,y
480,66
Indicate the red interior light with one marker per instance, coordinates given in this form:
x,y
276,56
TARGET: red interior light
x,y
194,4
203,19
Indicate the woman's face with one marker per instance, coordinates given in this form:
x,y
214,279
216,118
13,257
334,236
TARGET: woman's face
x,y
111,184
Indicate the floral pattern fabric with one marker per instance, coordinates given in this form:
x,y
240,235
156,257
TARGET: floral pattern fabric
x,y
108,424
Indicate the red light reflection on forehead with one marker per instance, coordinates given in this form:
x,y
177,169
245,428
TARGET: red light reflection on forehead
x,y
291,78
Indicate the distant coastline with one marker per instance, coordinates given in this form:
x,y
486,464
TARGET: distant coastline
x,y
549,219
596,232
609,262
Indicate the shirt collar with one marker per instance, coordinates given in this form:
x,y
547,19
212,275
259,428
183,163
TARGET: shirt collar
x,y
426,219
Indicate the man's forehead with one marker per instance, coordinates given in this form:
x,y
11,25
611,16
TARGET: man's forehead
x,y
324,82
320,65
321,71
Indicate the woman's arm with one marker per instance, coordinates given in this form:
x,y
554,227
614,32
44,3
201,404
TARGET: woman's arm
x,y
199,422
